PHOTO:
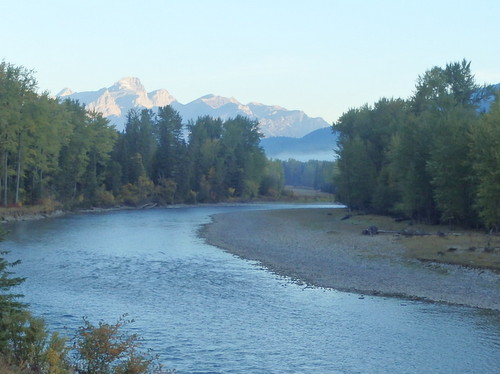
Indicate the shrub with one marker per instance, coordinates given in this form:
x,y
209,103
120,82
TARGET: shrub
x,y
105,349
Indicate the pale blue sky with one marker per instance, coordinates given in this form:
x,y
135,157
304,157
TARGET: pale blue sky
x,y
320,56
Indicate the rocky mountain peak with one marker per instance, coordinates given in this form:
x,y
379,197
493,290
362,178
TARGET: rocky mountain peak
x,y
216,102
65,92
128,84
129,93
161,97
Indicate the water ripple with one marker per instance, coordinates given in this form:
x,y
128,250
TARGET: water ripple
x,y
206,311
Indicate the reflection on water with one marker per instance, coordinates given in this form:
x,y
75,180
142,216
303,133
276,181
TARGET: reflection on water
x,y
206,311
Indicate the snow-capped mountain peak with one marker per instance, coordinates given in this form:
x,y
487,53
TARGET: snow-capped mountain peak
x,y
129,93
128,84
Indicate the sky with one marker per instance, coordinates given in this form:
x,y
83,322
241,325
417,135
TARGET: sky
x,y
320,56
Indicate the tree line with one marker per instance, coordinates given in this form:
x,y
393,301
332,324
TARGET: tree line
x,y
58,150
314,174
434,157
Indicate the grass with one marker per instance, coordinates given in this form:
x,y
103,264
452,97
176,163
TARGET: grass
x,y
440,244
305,194
17,212
465,248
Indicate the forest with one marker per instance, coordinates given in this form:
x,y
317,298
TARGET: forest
x,y
52,150
314,174
433,158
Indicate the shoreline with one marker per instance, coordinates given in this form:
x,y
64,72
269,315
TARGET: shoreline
x,y
315,247
30,216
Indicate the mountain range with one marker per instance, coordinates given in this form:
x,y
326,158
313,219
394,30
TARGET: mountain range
x,y
115,101
288,133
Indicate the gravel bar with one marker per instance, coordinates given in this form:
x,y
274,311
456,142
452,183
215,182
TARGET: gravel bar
x,y
309,246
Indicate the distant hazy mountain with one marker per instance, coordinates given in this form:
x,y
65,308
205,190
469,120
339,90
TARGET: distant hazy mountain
x,y
317,145
115,101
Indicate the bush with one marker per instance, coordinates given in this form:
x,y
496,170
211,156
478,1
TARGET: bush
x,y
138,193
105,349
104,198
25,346
28,347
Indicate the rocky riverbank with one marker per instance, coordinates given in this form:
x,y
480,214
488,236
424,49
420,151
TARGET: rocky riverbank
x,y
20,214
317,247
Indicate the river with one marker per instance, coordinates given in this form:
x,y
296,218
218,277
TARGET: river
x,y
204,310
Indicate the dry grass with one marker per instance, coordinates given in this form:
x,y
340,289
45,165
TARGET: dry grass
x,y
307,194
440,244
467,249
46,207
9,369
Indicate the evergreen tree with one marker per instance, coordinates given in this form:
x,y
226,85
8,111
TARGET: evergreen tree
x,y
73,156
17,89
170,157
101,139
139,141
10,306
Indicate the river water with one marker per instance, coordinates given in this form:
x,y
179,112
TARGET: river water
x,y
204,310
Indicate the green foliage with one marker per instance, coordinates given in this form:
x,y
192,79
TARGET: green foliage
x,y
407,167
365,137
107,349
485,153
273,181
101,349
432,158
313,174
17,92
165,191
449,167
358,174
139,140
171,145
103,197
31,348
10,307
24,339
139,193
27,347
59,150
57,355
226,159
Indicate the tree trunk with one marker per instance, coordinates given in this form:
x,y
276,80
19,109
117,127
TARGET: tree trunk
x,y
41,184
5,176
18,177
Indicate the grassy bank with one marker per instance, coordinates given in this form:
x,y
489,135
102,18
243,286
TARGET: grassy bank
x,y
19,213
470,248
306,195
